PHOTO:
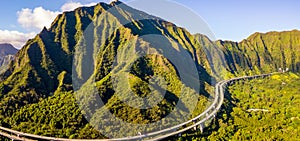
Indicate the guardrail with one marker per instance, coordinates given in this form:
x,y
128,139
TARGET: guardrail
x,y
198,121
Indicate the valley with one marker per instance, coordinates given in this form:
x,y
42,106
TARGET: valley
x,y
52,86
278,95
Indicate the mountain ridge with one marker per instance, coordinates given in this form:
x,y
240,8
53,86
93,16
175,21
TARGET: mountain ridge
x,y
43,69
271,50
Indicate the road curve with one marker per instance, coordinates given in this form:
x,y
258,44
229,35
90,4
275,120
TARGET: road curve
x,y
197,122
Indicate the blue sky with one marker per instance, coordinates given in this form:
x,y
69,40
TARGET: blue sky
x,y
228,20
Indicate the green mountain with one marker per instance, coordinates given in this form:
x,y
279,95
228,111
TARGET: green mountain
x,y
7,52
42,71
264,52
37,90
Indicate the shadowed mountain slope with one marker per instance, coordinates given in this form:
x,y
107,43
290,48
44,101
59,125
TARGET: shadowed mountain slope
x,y
90,45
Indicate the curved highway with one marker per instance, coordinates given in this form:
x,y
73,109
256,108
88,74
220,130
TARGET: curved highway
x,y
195,123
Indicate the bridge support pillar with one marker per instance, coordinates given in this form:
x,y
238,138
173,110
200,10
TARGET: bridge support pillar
x,y
201,126
194,122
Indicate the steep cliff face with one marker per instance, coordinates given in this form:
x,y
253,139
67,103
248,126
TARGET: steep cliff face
x,y
51,52
42,70
5,60
263,52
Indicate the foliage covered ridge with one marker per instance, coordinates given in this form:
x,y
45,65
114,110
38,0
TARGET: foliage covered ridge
x,y
36,90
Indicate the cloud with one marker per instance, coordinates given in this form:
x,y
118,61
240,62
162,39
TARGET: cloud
x,y
34,20
73,5
16,38
37,18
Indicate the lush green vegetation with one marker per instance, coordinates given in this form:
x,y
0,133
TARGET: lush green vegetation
x,y
4,139
37,95
262,109
263,52
57,115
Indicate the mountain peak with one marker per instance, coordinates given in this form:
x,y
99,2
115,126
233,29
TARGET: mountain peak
x,y
7,49
7,52
115,2
48,63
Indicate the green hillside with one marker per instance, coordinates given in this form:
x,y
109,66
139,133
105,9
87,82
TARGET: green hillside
x,y
42,72
264,52
39,91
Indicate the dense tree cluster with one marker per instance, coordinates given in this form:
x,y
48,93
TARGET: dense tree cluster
x,y
263,109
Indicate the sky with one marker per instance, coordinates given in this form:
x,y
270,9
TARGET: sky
x,y
228,20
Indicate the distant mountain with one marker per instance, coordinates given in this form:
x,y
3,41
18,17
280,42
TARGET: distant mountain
x,y
40,78
263,52
7,52
7,49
